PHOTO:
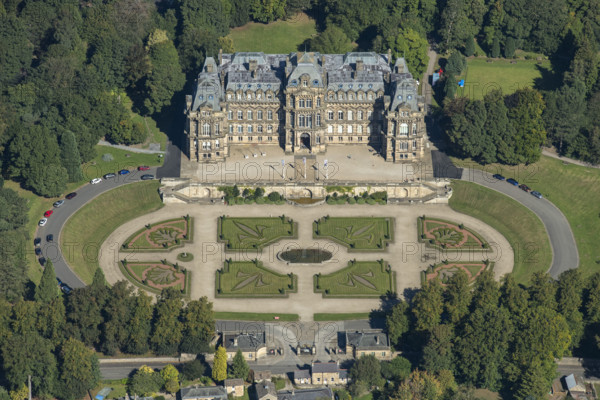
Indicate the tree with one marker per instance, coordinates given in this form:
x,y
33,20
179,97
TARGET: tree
x,y
219,369
509,47
165,78
167,332
30,354
170,376
456,64
140,324
564,114
410,45
397,323
398,369
458,296
486,292
455,25
514,297
79,370
13,266
267,10
469,47
495,47
419,385
239,368
117,318
71,160
193,370
569,299
367,369
525,108
145,381
542,291
437,354
332,40
428,306
84,316
498,126
47,290
532,385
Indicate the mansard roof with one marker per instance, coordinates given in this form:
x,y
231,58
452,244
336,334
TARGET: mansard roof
x,y
208,90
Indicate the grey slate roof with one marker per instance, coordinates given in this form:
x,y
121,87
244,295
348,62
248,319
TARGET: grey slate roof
x,y
264,388
233,382
301,374
367,340
245,341
305,394
208,90
325,367
212,392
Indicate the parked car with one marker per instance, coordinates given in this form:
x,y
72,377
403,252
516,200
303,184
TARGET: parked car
x,y
70,195
38,251
43,221
124,172
146,177
109,175
512,181
499,177
48,213
524,187
37,242
58,203
49,238
537,194
143,168
66,288
42,261
96,180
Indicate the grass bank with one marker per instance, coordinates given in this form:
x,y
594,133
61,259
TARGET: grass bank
x,y
276,37
575,190
85,231
519,225
243,316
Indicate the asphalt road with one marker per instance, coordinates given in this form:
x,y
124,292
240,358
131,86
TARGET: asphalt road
x,y
562,241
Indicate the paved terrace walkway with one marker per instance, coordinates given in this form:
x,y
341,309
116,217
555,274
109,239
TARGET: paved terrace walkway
x,y
405,255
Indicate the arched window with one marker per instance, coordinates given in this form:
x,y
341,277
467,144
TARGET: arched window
x,y
403,129
205,129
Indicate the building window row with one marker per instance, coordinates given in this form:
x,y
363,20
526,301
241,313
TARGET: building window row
x,y
349,129
251,138
251,96
249,128
250,115
353,96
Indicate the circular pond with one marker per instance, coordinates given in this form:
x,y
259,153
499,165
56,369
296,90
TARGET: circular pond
x,y
306,256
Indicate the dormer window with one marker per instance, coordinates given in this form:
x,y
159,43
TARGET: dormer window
x,y
370,86
360,85
304,83
409,97
200,97
269,86
258,85
350,86
239,85
210,96
315,82
399,97
294,82
340,85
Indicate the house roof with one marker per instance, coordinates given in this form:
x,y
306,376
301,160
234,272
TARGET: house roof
x,y
301,374
264,388
570,381
262,375
318,368
244,341
375,340
233,382
305,394
213,392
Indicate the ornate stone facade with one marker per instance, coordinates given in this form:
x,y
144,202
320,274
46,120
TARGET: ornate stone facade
x,y
303,102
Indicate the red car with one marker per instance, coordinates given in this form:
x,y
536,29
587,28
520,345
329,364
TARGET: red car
x,y
48,213
143,168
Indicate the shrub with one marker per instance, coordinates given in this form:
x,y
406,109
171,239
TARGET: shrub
x,y
274,196
239,200
371,201
351,200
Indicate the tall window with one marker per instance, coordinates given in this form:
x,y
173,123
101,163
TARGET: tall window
x,y
403,130
318,102
259,115
340,129
259,128
329,128
369,115
230,114
205,129
301,103
249,113
249,129
269,114
350,115
269,128
414,129
231,128
240,129
318,119
240,114
216,144
329,115
360,115
309,103
414,145
359,129
301,121
340,115
349,128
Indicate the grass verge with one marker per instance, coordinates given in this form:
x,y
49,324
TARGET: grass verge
x,y
85,231
244,316
575,190
519,225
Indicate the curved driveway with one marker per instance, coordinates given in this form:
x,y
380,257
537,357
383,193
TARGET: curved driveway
x,y
564,249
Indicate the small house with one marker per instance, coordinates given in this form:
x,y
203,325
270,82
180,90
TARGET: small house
x,y
265,391
252,345
235,386
302,377
305,394
203,393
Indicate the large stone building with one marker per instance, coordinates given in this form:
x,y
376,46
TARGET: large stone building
x,y
304,101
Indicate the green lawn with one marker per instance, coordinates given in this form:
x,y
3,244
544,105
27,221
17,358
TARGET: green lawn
x,y
358,279
253,233
163,235
482,77
520,226
243,316
85,231
575,191
448,235
252,279
356,233
276,37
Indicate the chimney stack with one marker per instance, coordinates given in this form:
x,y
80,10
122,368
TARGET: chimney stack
x,y
389,56
209,67
360,66
253,65
220,56
235,341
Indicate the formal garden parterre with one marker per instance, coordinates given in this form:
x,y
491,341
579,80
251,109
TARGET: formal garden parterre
x,y
358,279
162,236
357,234
254,233
449,236
252,279
446,269
155,276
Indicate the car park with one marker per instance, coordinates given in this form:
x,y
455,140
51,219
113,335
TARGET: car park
x,y
43,221
524,187
537,194
58,203
124,172
49,238
66,289
143,168
70,195
37,241
38,251
146,177
499,177
109,175
96,180
512,181
48,213
42,261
